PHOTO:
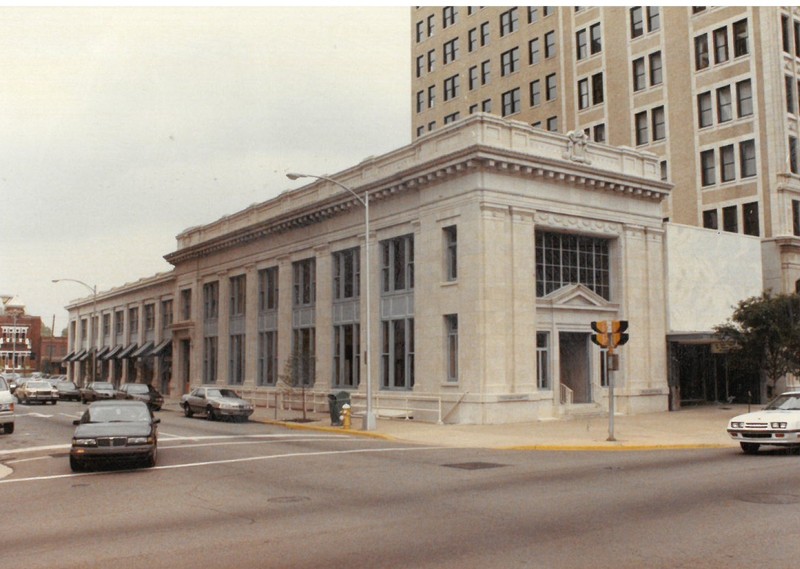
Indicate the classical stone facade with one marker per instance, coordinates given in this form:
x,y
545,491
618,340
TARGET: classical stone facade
x,y
493,246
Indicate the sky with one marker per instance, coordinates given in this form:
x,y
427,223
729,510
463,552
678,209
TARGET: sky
x,y
121,127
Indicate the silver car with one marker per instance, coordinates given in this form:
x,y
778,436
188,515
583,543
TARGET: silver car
x,y
216,403
38,390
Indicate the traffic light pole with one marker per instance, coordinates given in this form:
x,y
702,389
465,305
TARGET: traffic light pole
x,y
610,377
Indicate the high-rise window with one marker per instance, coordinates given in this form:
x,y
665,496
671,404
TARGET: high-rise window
x,y
659,123
431,96
653,18
451,87
639,74
747,158
730,219
656,76
721,45
473,77
595,38
581,44
472,40
705,114
449,16
727,163
533,51
551,90
750,225
509,61
511,102
486,106
549,45
484,34
793,158
642,133
450,51
710,220
701,52
552,124
724,104
796,217
583,93
486,72
708,174
789,83
740,38
744,98
509,22
536,97
637,22
598,95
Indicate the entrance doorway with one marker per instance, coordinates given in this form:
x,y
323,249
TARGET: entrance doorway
x,y
574,364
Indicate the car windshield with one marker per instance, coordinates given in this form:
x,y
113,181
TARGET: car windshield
x,y
38,384
137,388
102,386
118,414
222,393
788,402
66,385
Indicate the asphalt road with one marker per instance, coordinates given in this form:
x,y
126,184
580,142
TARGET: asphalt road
x,y
252,495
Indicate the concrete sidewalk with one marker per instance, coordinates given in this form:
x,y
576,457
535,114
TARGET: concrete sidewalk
x,y
691,427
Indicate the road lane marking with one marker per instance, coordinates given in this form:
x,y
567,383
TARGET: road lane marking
x,y
228,461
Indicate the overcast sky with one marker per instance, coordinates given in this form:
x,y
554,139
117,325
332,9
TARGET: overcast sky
x,y
120,128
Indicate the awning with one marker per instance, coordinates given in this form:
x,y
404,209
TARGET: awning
x,y
126,352
163,347
111,353
68,357
143,351
79,356
102,351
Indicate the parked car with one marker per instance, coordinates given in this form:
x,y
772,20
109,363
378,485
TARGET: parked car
x,y
38,390
114,431
97,390
141,392
6,407
67,390
12,379
777,424
216,403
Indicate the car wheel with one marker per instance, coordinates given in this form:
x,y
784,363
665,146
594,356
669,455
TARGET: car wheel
x,y
75,465
8,428
210,414
54,401
750,448
187,410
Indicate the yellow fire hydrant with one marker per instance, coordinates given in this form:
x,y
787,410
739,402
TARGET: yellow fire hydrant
x,y
345,417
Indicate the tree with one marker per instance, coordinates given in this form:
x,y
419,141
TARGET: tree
x,y
764,333
298,373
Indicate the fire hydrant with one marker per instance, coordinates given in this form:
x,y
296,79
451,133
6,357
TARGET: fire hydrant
x,y
345,416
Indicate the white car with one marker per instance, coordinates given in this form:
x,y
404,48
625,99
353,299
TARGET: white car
x,y
6,408
777,424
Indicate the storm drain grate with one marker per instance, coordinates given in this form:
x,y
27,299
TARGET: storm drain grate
x,y
474,465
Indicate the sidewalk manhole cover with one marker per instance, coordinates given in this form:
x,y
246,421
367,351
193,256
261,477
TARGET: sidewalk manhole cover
x,y
474,465
764,498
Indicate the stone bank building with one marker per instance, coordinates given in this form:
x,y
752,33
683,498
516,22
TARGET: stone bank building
x,y
493,245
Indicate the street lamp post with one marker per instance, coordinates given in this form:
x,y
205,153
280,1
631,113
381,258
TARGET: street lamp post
x,y
93,340
369,416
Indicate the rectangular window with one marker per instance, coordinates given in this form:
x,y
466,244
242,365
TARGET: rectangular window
x,y
639,74
721,45
533,14
303,356
653,18
536,97
785,33
543,360
642,133
596,38
793,163
744,98
238,295
431,60
472,40
727,163
724,104
431,25
119,322
451,330
431,96
701,52
664,167
473,77
656,74
451,87
750,224
450,49
598,95
452,117
449,16
133,322
209,359
397,354
509,22
186,304
659,123
304,283
705,114
420,65
420,101
486,106
637,22
397,264
346,356
583,93
533,51
267,358
484,34
149,317
511,102
710,220
509,61
730,221
451,253
563,259
551,90
346,274
789,84
600,133
740,38
486,72
581,44
236,359
796,217
747,158
420,35
549,45
708,168
552,124
268,289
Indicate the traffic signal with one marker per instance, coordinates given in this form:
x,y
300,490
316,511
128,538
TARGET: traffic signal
x,y
601,336
617,334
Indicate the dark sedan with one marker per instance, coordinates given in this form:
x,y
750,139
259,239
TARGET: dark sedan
x,y
67,391
111,432
141,392
97,390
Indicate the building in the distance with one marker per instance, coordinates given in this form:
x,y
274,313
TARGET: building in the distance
x,y
714,92
20,337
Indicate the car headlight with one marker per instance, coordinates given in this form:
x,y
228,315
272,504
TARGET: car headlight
x,y
780,425
737,425
140,440
84,442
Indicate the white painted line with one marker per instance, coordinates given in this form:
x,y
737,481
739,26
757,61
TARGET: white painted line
x,y
231,461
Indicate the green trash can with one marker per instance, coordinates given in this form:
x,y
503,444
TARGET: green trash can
x,y
335,404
